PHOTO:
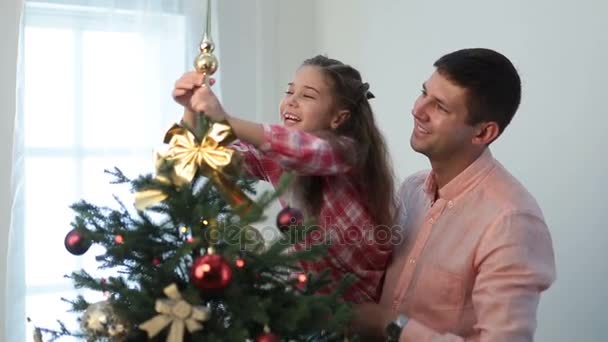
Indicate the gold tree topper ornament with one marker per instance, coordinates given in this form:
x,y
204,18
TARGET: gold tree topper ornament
x,y
206,62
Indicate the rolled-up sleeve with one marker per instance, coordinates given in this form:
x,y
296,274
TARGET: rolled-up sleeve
x,y
305,153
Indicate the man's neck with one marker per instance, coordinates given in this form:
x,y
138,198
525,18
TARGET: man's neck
x,y
448,169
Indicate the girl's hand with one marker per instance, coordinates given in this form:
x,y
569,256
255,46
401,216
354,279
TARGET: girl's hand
x,y
185,87
203,100
183,93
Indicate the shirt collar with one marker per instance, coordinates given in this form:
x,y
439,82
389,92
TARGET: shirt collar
x,y
465,180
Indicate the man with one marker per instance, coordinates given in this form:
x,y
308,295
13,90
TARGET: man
x,y
477,253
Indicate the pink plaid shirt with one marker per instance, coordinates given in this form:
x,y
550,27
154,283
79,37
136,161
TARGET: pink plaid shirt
x,y
343,217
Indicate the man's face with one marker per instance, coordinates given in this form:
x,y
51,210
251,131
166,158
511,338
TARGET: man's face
x,y
440,115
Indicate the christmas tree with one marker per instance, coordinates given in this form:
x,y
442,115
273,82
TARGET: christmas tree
x,y
189,266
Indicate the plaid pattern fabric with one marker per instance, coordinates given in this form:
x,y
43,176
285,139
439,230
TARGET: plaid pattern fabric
x,y
344,222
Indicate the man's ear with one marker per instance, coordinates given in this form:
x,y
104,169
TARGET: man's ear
x,y
339,118
486,133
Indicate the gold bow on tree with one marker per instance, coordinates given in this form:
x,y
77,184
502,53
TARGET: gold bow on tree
x,y
177,312
187,157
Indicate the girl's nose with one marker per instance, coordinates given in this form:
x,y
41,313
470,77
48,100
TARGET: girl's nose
x,y
291,101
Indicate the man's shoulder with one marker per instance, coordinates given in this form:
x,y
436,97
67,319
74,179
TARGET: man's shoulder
x,y
510,192
414,181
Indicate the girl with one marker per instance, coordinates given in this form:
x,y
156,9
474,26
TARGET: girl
x,y
330,141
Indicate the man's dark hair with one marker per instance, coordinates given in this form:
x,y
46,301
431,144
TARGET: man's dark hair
x,y
492,83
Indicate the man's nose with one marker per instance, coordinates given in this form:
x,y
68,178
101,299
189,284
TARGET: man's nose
x,y
420,109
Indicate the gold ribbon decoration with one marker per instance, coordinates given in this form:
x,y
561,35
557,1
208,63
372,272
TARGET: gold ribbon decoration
x,y
175,311
187,157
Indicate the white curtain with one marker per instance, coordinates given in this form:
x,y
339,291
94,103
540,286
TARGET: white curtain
x,y
95,78
10,13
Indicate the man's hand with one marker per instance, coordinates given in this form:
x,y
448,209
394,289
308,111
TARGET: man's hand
x,y
370,321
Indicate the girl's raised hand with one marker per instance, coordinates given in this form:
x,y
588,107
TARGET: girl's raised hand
x,y
203,100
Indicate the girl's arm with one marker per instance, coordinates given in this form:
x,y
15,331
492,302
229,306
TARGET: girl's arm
x,y
293,150
305,153
247,131
255,164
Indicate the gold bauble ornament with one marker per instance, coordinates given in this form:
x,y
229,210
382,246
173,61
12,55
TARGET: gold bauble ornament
x,y
100,320
206,63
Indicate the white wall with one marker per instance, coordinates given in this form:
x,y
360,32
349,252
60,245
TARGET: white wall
x,y
556,144
9,18
261,42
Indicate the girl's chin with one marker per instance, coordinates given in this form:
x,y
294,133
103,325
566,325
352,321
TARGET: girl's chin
x,y
290,124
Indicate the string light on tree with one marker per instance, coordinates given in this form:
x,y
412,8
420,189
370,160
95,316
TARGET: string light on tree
x,y
267,336
103,283
302,281
302,278
119,239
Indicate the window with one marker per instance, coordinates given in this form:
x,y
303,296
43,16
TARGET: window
x,y
96,82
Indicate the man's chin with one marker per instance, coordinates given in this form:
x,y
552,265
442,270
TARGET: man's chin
x,y
415,145
419,148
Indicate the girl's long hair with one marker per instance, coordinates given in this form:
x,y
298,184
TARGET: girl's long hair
x,y
372,172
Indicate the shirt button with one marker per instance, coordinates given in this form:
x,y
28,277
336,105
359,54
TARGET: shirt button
x,y
432,220
412,261
450,204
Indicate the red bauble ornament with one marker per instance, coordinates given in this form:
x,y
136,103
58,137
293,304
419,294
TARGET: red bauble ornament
x,y
211,272
76,243
267,337
289,217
